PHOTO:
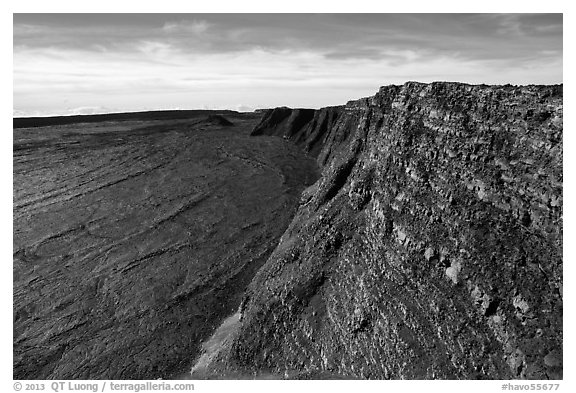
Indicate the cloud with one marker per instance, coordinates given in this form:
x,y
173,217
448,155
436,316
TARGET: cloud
x,y
153,61
196,27
156,49
84,110
471,36
90,110
20,113
244,108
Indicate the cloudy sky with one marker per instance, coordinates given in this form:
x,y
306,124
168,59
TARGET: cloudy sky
x,y
95,63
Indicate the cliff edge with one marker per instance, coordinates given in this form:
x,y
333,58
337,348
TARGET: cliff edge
x,y
430,248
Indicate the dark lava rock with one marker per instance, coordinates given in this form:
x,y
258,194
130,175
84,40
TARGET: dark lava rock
x,y
218,120
168,115
308,128
133,240
431,247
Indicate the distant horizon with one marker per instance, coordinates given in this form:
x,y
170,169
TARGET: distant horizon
x,y
82,64
254,109
136,111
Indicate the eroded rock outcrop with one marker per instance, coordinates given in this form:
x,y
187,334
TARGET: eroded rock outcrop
x,y
310,129
431,247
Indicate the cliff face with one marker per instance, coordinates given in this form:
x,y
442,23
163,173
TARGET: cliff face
x,y
431,247
310,129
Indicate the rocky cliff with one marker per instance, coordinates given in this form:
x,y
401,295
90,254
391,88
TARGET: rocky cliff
x,y
310,129
431,247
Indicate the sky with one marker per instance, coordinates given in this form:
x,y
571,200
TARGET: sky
x,y
98,63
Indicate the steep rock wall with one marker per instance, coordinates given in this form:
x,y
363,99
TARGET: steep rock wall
x,y
431,247
308,128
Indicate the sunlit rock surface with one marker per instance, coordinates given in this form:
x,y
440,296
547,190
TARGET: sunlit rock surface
x,y
431,247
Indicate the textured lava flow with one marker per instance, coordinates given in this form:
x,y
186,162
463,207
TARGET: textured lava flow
x,y
134,239
431,247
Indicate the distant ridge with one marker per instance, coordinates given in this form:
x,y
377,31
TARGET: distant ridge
x,y
218,120
22,122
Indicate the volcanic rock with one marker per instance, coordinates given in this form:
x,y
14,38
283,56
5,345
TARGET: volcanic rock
x,y
135,238
218,120
431,246
308,128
